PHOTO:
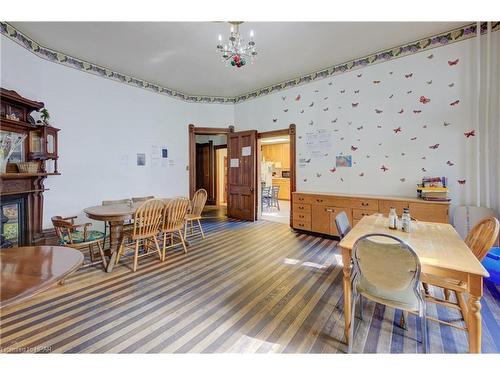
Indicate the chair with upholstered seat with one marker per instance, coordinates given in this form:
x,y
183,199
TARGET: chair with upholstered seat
x,y
480,239
194,214
386,270
174,218
343,225
69,235
145,228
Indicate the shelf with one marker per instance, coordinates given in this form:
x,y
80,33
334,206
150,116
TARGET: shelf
x,y
11,176
23,192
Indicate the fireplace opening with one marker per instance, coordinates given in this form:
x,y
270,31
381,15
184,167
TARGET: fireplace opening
x,y
13,221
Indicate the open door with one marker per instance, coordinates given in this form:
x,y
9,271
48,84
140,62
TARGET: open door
x,y
242,166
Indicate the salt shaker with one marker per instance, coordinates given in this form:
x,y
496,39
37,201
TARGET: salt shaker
x,y
406,220
393,218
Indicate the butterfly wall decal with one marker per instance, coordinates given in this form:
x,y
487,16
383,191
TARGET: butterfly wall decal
x,y
413,138
470,133
359,75
391,72
360,127
402,179
454,62
379,111
354,105
424,170
379,126
275,119
461,182
429,82
424,100
356,91
285,110
325,109
403,154
311,122
391,96
318,174
307,160
342,91
297,98
455,103
310,105
451,84
384,168
401,111
409,75
330,83
450,163
349,122
409,92
376,82
434,147
368,156
446,123
417,111
283,97
380,144
305,180
301,111
397,130
325,98
361,174
354,148
342,138
430,56
333,170
300,137
316,90
341,179
334,120
424,126
386,156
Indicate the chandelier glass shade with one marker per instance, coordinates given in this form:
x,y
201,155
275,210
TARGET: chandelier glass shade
x,y
236,52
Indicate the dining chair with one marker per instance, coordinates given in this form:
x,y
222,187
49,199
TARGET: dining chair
x,y
342,223
275,191
266,196
109,203
68,234
196,208
480,239
142,199
147,219
386,270
174,217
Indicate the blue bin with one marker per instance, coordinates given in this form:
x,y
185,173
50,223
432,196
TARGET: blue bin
x,y
492,263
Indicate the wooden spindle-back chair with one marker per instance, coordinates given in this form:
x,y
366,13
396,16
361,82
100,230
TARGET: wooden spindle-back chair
x,y
69,235
147,221
174,218
142,199
197,205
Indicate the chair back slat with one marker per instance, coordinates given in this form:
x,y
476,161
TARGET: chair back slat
x,y
147,219
117,201
342,223
481,237
198,202
141,199
175,214
386,262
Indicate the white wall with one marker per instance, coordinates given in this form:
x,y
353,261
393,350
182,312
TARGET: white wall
x,y
100,121
328,104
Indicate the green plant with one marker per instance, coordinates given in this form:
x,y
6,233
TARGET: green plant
x,y
44,115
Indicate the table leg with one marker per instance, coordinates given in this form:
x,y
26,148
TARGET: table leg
x,y
346,260
115,238
474,313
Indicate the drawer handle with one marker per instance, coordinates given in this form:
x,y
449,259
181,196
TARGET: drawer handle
x,y
301,216
319,200
365,204
329,210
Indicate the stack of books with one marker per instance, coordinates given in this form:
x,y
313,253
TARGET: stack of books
x,y
433,189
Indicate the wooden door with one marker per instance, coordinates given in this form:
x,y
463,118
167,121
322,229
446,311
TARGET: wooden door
x,y
242,167
205,169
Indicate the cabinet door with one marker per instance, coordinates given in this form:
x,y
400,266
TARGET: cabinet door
x,y
285,155
320,219
437,213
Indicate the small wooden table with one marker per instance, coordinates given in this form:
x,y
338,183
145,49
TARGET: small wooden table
x,y
441,252
26,271
115,214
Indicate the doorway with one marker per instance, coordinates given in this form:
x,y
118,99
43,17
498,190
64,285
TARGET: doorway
x,y
276,167
208,167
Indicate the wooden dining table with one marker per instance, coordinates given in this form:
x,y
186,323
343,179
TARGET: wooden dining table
x,y
442,253
26,271
116,215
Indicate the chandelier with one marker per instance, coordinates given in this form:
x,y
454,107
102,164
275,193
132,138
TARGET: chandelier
x,y
236,52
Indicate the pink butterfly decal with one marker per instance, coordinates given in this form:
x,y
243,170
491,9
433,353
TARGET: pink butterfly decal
x,y
384,168
397,130
416,111
450,163
378,111
455,102
354,105
434,147
354,148
424,100
461,182
297,98
454,62
333,170
409,75
401,111
470,133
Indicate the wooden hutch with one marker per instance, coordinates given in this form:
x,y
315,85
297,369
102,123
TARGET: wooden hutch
x,y
22,193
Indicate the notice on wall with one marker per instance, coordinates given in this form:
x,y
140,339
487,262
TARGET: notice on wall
x,y
141,160
246,151
234,163
164,152
319,143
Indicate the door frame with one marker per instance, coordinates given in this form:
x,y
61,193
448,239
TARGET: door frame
x,y
216,183
193,131
291,132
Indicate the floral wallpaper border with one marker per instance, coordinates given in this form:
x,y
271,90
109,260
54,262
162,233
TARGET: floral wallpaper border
x,y
456,35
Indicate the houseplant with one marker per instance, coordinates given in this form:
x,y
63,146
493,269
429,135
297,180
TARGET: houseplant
x,y
45,116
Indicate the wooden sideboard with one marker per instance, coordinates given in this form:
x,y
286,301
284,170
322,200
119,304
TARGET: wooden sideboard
x,y
316,212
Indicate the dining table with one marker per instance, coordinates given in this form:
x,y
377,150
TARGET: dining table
x,y
27,271
441,252
115,215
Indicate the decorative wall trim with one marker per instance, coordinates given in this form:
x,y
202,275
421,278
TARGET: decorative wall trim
x,y
453,36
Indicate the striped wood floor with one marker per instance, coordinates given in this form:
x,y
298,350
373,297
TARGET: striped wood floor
x,y
249,287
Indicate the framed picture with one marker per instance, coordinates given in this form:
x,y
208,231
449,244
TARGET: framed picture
x,y
141,160
343,161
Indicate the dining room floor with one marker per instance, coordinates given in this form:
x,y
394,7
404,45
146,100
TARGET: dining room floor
x,y
247,288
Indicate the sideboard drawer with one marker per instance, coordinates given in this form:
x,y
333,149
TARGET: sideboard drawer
x,y
384,206
297,208
302,216
299,224
365,204
333,201
359,214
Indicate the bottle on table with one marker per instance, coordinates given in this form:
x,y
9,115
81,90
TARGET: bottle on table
x,y
406,220
393,218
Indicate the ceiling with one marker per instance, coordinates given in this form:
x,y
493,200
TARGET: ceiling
x,y
182,55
